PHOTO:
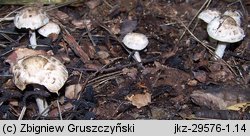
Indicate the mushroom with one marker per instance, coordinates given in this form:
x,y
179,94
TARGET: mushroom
x,y
31,18
236,15
136,42
42,70
50,30
208,15
225,30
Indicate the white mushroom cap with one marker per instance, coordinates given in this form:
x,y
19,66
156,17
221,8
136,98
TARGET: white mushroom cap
x,y
208,15
31,18
236,15
40,69
135,41
225,29
50,28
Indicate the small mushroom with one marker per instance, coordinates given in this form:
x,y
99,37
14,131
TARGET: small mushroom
x,y
31,18
50,30
136,42
208,15
40,69
225,30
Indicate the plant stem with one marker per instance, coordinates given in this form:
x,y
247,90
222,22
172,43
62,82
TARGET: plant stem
x,y
33,42
137,56
220,49
42,105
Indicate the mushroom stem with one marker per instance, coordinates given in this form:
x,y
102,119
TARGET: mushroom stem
x,y
220,49
33,42
137,56
42,105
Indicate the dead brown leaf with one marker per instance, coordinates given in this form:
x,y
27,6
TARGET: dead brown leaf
x,y
220,73
132,72
81,24
103,54
72,91
200,75
209,100
140,100
93,3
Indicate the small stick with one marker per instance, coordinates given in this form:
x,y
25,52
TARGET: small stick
x,y
3,19
22,113
59,109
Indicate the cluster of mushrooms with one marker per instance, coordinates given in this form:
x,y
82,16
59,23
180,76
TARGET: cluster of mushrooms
x,y
47,71
52,74
225,28
34,18
38,70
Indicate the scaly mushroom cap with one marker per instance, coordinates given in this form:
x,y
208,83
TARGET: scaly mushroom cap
x,y
208,15
225,29
135,41
236,15
31,18
39,69
50,28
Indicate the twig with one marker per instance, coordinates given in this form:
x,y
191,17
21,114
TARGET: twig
x,y
238,69
3,19
106,79
90,36
108,4
22,112
129,65
49,8
8,32
3,45
7,52
117,39
89,77
8,38
7,19
103,76
84,33
59,109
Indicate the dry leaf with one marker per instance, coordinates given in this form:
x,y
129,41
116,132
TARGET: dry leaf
x,y
61,15
132,72
93,3
140,100
71,91
239,106
128,26
192,82
220,72
81,24
208,100
103,54
200,75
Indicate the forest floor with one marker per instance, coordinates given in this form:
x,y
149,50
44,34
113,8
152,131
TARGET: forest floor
x,y
177,79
